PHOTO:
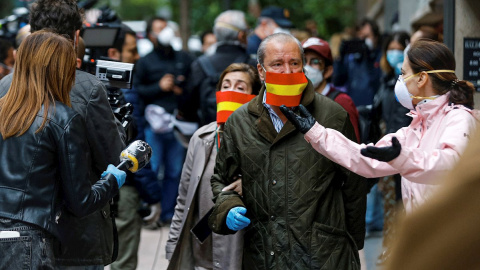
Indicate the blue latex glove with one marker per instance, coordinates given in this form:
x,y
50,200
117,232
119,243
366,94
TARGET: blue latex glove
x,y
236,219
119,174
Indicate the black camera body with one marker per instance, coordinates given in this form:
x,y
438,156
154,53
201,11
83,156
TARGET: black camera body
x,y
114,75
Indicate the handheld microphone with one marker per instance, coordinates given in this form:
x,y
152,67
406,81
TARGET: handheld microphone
x,y
135,156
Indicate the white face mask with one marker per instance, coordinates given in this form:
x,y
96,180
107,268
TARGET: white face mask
x,y
166,36
402,95
315,75
369,43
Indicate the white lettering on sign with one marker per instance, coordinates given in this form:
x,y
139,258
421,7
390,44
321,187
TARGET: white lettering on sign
x,y
476,53
472,44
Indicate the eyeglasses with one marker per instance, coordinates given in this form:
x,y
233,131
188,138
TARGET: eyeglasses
x,y
316,61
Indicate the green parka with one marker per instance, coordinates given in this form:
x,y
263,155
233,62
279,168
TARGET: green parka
x,y
306,212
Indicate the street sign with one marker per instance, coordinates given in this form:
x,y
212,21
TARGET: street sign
x,y
471,61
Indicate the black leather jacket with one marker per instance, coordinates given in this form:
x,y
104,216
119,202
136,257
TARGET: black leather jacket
x,y
89,240
46,173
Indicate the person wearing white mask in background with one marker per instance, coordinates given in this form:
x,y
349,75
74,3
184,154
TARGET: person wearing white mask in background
x,y
319,70
358,68
160,78
272,20
394,115
443,119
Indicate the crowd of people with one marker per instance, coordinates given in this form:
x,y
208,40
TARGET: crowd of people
x,y
270,150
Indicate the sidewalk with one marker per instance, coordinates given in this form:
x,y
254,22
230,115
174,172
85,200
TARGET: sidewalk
x,y
151,254
152,245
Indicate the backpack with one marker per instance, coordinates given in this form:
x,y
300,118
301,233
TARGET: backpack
x,y
333,94
207,111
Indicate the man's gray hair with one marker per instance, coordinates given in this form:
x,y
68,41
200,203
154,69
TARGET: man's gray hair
x,y
228,24
281,38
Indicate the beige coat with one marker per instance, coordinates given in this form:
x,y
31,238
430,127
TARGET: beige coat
x,y
227,249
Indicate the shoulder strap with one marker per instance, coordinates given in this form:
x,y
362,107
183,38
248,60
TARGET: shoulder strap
x,y
207,66
333,94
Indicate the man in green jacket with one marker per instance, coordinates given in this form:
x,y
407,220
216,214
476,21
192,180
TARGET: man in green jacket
x,y
300,210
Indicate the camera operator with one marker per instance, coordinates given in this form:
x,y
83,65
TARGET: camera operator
x,y
160,80
6,57
140,186
87,241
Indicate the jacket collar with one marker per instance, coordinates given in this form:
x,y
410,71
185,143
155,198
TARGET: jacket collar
x,y
230,48
428,111
208,133
207,136
264,123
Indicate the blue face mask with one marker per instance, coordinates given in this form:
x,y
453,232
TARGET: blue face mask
x,y
395,59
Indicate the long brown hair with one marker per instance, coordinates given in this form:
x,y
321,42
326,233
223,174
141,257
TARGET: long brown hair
x,y
44,73
425,55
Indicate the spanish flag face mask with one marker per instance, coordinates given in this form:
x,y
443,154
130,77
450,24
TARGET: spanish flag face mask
x,y
228,102
284,88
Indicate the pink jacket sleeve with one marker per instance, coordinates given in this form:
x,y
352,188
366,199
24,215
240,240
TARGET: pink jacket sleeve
x,y
423,167
345,152
413,163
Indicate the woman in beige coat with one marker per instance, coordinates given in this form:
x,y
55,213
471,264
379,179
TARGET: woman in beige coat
x,y
183,249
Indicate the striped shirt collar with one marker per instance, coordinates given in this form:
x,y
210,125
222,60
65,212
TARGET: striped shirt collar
x,y
277,122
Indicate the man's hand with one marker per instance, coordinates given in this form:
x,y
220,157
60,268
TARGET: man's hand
x,y
167,82
177,90
236,219
303,124
155,211
235,186
386,154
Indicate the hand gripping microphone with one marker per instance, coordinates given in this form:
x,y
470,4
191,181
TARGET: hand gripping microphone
x,y
135,156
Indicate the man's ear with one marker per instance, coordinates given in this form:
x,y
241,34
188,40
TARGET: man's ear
x,y
77,35
328,72
260,72
113,53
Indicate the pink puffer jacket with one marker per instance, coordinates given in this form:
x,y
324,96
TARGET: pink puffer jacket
x,y
431,146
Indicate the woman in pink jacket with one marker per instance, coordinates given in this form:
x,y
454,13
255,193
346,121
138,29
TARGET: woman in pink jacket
x,y
443,120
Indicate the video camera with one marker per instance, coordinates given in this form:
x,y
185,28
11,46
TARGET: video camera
x,y
115,75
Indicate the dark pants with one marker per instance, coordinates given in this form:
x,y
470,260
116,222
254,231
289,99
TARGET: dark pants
x,y
168,154
33,249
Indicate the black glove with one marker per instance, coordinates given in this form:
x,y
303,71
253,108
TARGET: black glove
x,y
303,124
386,153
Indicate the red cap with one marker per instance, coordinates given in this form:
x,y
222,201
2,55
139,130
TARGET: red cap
x,y
319,46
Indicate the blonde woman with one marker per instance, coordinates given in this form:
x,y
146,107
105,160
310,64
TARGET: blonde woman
x,y
44,161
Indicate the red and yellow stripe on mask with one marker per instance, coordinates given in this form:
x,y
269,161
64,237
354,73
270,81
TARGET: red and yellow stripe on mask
x,y
228,102
285,88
